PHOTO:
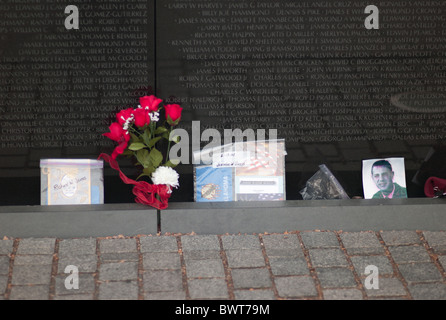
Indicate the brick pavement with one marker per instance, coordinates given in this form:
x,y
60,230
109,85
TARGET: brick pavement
x,y
295,265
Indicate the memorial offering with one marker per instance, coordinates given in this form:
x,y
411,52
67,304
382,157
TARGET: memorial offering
x,y
323,185
384,178
71,181
137,133
242,171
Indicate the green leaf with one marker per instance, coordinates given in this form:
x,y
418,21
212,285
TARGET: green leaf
x,y
172,163
135,146
143,157
171,122
155,157
160,130
146,172
153,142
127,153
134,137
146,137
175,139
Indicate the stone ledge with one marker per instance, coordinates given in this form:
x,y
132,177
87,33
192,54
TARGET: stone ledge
x,y
64,221
346,215
223,217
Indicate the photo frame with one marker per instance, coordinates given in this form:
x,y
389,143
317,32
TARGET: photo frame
x,y
384,178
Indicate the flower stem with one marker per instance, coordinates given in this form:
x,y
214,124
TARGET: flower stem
x,y
168,145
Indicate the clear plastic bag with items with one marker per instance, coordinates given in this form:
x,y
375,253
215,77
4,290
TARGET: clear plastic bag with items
x,y
323,185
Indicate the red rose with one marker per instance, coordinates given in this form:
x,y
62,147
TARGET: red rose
x,y
118,134
150,102
142,117
173,113
123,115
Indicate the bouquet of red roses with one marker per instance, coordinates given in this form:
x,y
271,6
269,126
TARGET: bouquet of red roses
x,y
137,132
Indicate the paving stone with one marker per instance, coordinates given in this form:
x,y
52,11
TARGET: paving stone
x,y
386,287
4,265
381,262
366,251
117,245
335,277
327,258
119,257
74,247
233,242
284,266
315,239
215,288
205,269
359,239
291,253
29,293
251,278
119,290
33,259
342,294
6,246
245,258
31,274
36,246
200,242
84,263
261,294
281,241
396,238
404,254
428,291
162,280
295,286
441,250
161,260
442,260
201,255
436,240
158,244
118,271
3,283
70,297
172,295
86,284
419,272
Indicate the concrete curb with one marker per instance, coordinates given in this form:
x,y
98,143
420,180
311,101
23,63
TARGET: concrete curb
x,y
77,221
347,215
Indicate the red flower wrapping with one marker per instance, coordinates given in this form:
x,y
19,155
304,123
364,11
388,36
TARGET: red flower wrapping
x,y
145,192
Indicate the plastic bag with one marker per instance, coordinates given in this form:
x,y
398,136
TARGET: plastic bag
x,y
323,185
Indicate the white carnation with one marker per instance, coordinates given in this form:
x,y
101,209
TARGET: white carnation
x,y
167,176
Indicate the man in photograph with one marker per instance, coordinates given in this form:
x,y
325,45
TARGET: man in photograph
x,y
382,175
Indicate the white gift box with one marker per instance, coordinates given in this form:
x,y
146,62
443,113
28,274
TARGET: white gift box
x,y
71,181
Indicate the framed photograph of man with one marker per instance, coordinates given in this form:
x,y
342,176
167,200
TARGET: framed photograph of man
x,y
384,178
